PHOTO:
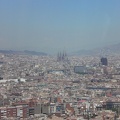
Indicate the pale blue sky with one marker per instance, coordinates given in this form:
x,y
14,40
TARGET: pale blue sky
x,y
54,25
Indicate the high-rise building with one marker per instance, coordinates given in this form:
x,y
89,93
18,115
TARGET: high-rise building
x,y
104,61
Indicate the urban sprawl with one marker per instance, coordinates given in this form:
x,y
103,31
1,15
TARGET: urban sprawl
x,y
59,87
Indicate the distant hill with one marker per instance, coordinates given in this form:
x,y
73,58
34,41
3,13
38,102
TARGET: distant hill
x,y
34,53
112,49
23,52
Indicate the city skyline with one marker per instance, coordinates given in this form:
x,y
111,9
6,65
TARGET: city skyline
x,y
51,26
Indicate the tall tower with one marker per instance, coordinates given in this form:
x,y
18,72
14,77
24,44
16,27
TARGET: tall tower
x,y
58,56
104,61
62,56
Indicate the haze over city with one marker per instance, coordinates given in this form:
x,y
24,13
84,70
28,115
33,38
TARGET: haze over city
x,y
51,25
59,60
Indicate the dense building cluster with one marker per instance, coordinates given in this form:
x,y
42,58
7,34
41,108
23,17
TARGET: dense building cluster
x,y
59,88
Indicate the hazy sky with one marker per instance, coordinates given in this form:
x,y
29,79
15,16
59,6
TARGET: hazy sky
x,y
54,25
